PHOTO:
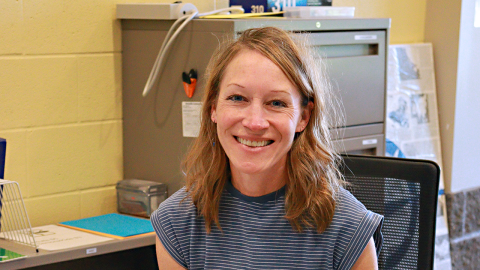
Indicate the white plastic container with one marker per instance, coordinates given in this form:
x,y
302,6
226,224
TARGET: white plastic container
x,y
319,12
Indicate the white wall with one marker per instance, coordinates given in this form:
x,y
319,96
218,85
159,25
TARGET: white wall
x,y
449,26
466,151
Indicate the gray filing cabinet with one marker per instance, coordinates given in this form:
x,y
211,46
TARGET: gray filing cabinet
x,y
355,52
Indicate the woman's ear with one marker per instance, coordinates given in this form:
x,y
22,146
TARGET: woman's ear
x,y
213,114
305,117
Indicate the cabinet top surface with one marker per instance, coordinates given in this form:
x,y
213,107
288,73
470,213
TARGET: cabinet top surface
x,y
288,24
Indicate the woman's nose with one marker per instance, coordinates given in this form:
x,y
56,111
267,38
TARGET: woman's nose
x,y
255,118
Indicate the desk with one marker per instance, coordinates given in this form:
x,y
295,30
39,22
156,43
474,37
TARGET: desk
x,y
133,253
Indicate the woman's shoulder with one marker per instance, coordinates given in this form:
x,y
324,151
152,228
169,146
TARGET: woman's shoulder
x,y
178,203
349,209
172,221
347,202
354,225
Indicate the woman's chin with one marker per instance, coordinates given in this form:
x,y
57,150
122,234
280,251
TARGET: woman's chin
x,y
254,168
251,170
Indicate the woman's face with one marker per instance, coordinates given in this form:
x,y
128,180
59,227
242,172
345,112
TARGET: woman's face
x,y
257,113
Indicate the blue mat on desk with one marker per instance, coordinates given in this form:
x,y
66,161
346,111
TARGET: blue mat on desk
x,y
113,224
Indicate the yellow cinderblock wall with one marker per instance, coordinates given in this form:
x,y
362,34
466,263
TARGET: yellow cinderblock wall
x,y
60,97
408,16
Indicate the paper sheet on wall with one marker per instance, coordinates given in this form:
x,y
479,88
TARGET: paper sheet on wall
x,y
412,122
191,112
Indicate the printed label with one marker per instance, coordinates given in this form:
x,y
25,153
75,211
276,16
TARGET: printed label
x,y
91,250
370,141
365,37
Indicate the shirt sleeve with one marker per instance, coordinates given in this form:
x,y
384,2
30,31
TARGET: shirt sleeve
x,y
162,224
368,225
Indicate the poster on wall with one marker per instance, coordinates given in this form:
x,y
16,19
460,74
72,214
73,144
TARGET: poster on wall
x,y
412,129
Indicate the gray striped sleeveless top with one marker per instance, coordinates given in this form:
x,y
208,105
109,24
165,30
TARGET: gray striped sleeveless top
x,y
255,234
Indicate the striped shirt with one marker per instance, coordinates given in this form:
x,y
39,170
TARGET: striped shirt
x,y
255,234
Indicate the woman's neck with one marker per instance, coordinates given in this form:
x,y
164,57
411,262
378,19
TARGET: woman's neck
x,y
255,185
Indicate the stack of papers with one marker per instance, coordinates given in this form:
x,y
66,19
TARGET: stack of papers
x,y
53,237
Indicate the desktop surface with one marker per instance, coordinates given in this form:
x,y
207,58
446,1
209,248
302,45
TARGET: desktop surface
x,y
132,253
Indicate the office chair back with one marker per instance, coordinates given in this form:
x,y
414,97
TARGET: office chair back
x,y
405,192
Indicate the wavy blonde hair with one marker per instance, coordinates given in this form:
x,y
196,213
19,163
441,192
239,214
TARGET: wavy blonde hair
x,y
313,177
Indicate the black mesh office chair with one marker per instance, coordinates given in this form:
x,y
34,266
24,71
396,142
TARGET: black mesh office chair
x,y
405,192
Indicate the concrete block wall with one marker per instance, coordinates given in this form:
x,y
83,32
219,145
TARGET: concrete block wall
x,y
60,97
60,106
407,16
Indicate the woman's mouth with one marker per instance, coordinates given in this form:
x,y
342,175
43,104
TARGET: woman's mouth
x,y
253,143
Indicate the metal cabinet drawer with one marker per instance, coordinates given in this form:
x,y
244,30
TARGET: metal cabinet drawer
x,y
355,63
366,145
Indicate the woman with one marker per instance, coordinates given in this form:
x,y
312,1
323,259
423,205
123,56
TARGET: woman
x,y
262,186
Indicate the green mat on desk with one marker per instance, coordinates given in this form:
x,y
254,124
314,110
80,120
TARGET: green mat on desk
x,y
8,255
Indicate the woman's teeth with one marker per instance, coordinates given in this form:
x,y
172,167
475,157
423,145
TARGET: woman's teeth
x,y
253,143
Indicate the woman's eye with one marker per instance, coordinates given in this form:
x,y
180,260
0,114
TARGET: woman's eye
x,y
278,103
236,98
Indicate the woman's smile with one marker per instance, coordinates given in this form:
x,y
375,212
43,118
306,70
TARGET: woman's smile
x,y
254,143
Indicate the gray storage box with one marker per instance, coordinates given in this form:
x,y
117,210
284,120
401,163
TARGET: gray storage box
x,y
140,197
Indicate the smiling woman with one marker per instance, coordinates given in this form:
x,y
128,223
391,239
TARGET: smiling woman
x,y
262,186
257,118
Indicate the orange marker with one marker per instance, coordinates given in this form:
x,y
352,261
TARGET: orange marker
x,y
190,87
189,82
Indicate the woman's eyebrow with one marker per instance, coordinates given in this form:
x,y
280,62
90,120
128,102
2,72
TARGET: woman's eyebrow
x,y
235,84
280,91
